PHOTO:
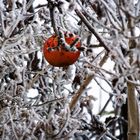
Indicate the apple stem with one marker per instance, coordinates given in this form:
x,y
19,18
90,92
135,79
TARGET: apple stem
x,y
74,42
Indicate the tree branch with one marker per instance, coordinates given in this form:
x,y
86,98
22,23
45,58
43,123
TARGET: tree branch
x,y
84,85
90,27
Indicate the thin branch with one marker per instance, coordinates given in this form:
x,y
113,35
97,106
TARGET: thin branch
x,y
80,91
52,16
12,124
111,136
90,27
111,12
102,87
64,125
84,85
106,104
92,17
48,102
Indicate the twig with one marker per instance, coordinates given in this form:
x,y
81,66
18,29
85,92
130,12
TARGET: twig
x,y
92,17
80,91
65,124
112,13
12,124
48,102
111,136
90,27
102,87
84,85
103,109
52,16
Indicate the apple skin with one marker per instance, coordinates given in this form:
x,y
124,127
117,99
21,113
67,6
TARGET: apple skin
x,y
59,56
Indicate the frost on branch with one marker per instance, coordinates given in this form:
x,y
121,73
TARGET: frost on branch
x,y
87,100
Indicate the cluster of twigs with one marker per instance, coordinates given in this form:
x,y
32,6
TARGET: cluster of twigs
x,y
63,106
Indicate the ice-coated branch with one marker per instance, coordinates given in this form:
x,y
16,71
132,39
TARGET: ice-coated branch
x,y
89,78
90,27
